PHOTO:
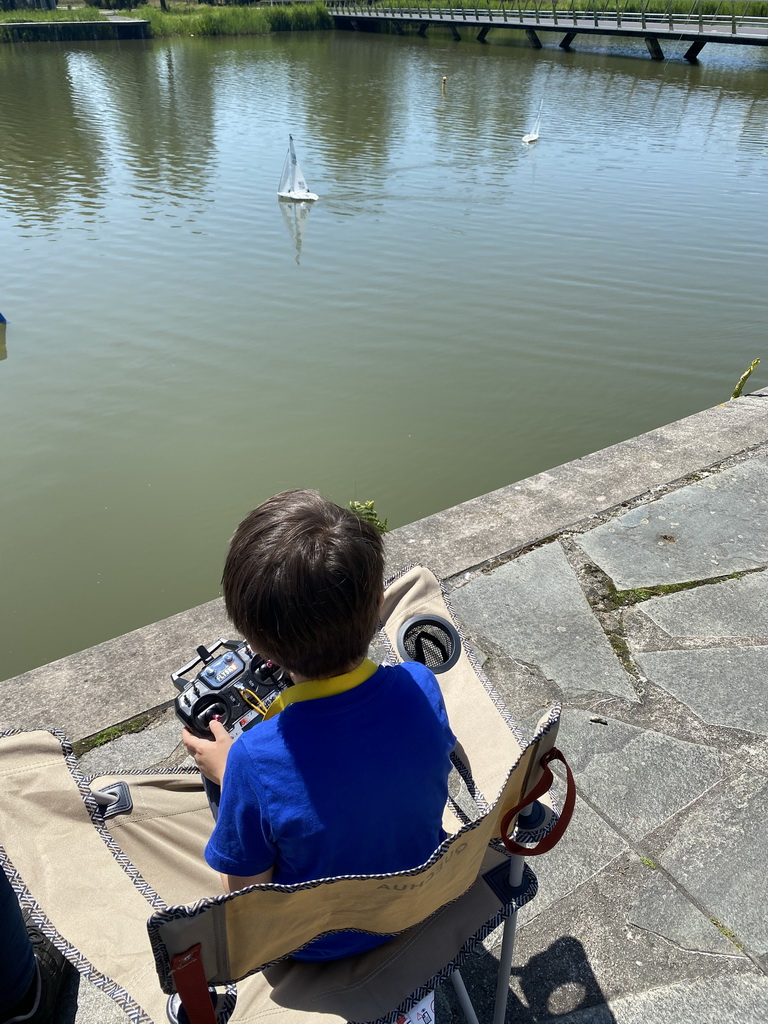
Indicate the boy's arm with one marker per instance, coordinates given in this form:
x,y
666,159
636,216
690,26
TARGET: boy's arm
x,y
210,755
233,883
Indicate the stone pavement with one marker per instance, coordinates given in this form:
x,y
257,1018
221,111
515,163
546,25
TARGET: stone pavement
x,y
652,629
634,592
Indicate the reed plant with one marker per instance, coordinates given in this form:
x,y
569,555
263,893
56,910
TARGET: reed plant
x,y
24,14
207,20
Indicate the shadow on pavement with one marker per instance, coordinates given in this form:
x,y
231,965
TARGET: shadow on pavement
x,y
551,986
558,981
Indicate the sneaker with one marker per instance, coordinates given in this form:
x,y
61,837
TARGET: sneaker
x,y
52,971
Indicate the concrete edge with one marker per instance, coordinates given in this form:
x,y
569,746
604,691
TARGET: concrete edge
x,y
499,523
129,675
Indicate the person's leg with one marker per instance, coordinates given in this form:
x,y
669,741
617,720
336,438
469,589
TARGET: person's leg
x,y
18,972
32,970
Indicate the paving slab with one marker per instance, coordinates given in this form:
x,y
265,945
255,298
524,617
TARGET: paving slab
x,y
662,909
533,608
638,778
739,1000
723,685
718,856
584,950
710,528
731,608
585,850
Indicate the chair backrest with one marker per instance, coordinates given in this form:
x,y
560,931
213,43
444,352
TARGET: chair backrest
x,y
489,742
244,932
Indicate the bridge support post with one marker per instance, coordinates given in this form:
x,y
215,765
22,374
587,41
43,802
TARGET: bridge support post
x,y
423,30
398,28
455,33
483,33
694,50
533,39
565,42
653,47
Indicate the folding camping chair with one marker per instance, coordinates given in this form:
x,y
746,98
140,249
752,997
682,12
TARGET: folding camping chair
x,y
151,858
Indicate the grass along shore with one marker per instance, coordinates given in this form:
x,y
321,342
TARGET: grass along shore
x,y
205,20
187,19
79,14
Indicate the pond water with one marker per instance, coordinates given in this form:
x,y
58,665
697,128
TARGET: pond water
x,y
458,311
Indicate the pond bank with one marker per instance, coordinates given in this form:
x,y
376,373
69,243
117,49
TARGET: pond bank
x,y
72,31
181,20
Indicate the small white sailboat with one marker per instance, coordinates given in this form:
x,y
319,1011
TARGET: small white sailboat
x,y
292,183
533,136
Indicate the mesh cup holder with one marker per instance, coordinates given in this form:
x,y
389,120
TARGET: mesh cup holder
x,y
430,640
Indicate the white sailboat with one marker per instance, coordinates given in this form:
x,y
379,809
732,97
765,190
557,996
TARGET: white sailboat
x,y
533,136
292,183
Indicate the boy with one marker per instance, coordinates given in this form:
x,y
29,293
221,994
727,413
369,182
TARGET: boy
x,y
351,776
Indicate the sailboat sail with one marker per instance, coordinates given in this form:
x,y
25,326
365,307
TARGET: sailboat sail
x,y
286,178
534,135
292,182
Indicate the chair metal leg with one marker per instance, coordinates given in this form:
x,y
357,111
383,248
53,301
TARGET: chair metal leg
x,y
463,996
507,947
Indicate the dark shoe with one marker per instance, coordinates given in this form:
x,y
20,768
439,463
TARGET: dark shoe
x,y
178,1015
52,971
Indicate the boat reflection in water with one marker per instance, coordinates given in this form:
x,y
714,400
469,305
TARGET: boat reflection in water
x,y
295,216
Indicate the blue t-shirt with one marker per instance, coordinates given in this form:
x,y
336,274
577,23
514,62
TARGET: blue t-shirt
x,y
350,784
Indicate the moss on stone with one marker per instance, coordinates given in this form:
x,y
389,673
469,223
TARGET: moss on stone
x,y
731,936
625,598
112,733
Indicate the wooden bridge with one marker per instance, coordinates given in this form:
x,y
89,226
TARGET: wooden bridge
x,y
730,24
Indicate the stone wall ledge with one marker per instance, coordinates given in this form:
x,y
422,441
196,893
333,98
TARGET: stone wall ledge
x,y
72,31
128,676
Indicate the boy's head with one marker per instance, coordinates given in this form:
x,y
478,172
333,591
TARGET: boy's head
x,y
303,583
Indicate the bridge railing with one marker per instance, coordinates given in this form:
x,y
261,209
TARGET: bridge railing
x,y
698,13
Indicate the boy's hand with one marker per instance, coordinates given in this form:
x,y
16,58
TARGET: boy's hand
x,y
210,755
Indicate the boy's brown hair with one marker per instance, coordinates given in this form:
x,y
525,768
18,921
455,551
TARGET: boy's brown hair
x,y
303,583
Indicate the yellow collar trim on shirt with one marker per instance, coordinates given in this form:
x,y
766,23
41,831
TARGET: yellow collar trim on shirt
x,y
312,688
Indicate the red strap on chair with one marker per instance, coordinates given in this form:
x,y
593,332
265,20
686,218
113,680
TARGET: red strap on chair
x,y
192,986
546,780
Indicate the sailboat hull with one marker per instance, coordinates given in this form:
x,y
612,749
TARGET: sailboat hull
x,y
299,197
